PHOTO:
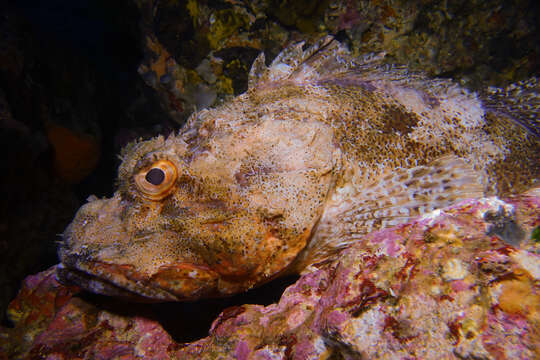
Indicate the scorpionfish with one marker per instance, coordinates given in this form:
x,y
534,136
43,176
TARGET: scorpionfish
x,y
320,150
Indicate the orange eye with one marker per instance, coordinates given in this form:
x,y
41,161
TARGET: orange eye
x,y
156,182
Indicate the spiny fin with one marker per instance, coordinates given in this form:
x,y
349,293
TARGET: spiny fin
x,y
519,101
396,198
327,56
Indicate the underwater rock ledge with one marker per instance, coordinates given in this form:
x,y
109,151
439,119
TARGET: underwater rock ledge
x,y
462,282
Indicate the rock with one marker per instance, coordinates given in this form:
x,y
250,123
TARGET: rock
x,y
437,287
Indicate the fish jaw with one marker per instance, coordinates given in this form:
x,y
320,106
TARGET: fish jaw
x,y
183,281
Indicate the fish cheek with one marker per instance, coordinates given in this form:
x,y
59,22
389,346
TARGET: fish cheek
x,y
235,247
285,182
234,240
258,197
288,205
248,248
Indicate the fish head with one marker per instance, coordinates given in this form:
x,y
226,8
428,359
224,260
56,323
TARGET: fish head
x,y
225,205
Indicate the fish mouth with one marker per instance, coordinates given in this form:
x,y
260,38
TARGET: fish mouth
x,y
92,283
95,278
170,283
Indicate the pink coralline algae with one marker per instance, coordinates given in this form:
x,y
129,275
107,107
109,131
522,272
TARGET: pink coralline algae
x,y
446,285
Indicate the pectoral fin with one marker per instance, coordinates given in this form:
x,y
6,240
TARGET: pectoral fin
x,y
404,194
388,200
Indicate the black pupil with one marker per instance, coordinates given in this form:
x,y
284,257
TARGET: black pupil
x,y
155,176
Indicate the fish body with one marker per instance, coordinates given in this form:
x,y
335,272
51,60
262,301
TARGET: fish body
x,y
322,149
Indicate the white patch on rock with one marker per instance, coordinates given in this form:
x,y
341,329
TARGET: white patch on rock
x,y
366,329
454,269
528,261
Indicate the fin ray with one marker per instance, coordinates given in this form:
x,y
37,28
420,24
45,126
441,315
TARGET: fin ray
x,y
394,199
411,192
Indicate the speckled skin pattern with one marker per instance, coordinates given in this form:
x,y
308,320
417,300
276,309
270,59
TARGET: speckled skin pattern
x,y
447,285
321,150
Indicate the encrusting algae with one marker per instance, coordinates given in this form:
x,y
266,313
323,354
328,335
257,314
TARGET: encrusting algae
x,y
322,149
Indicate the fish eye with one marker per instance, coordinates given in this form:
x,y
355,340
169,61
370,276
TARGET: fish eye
x,y
155,176
156,181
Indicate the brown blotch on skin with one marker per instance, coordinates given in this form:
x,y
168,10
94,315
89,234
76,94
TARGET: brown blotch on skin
x,y
246,172
397,119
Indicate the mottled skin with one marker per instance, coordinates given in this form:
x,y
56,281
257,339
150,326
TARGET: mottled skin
x,y
319,151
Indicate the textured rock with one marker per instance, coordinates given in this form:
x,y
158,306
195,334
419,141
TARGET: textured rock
x,y
461,282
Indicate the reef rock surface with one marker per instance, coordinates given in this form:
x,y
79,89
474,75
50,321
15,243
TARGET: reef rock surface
x,y
461,282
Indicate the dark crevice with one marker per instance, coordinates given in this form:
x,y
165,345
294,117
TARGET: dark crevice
x,y
190,321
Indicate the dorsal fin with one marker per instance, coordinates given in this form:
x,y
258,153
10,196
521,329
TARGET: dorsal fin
x,y
326,57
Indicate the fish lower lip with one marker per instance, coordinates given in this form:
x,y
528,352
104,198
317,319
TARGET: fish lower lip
x,y
96,284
